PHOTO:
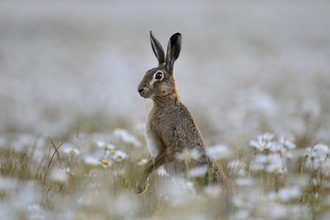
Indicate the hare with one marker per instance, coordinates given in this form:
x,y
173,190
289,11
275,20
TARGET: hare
x,y
171,131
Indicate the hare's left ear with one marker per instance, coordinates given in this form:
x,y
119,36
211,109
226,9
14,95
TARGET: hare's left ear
x,y
157,49
173,50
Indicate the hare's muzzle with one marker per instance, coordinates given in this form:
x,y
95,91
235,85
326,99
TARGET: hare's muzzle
x,y
141,90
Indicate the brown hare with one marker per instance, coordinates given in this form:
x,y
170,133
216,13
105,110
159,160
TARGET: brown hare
x,y
171,131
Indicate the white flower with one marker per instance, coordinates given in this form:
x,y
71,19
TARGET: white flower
x,y
36,212
161,171
59,175
264,141
273,163
125,136
119,156
287,194
188,154
219,151
241,201
142,162
90,160
197,171
71,150
105,145
276,166
317,155
260,158
212,191
287,143
105,163
8,183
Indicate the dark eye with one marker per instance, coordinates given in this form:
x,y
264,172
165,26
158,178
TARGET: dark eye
x,y
159,75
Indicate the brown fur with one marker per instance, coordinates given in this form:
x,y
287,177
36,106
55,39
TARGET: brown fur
x,y
170,127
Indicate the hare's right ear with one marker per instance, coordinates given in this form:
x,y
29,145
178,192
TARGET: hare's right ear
x,y
158,49
173,50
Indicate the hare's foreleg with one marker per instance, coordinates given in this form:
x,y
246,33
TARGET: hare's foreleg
x,y
146,170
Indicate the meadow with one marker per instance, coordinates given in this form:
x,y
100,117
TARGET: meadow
x,y
255,75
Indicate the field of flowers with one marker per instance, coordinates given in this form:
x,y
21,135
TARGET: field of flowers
x,y
255,75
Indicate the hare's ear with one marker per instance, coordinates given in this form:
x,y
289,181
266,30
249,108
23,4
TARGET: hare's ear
x,y
158,49
173,50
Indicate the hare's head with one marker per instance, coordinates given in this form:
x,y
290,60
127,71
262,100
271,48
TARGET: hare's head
x,y
159,81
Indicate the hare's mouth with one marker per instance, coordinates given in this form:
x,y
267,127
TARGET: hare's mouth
x,y
146,92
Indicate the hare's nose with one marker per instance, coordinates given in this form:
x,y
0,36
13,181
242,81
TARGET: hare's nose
x,y
141,91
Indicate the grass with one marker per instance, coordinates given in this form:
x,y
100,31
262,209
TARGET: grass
x,y
60,185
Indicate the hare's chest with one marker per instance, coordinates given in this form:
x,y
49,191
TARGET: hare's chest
x,y
156,129
152,143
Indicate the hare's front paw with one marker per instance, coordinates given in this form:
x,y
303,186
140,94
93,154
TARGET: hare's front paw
x,y
141,186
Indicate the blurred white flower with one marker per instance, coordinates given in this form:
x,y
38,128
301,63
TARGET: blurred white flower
x,y
219,151
59,175
71,150
212,191
289,193
119,156
105,163
287,143
161,171
273,163
244,181
300,211
283,147
316,155
242,201
142,162
242,214
23,142
126,137
90,160
188,154
254,166
179,191
7,183
285,194
264,141
105,145
276,166
277,211
197,171
36,212
125,205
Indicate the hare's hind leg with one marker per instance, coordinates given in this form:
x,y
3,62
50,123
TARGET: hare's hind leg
x,y
152,165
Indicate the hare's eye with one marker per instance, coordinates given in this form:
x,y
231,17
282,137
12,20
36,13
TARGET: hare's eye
x,y
159,75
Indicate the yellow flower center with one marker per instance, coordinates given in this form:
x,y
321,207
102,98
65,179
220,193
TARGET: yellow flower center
x,y
72,152
105,162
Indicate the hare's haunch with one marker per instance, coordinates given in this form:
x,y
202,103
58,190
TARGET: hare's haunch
x,y
172,134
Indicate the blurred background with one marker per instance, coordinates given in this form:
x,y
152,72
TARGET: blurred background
x,y
245,67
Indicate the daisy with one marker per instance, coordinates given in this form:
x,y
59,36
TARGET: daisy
x,y
70,150
105,145
119,156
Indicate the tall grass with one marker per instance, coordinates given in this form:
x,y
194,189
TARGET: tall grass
x,y
78,184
